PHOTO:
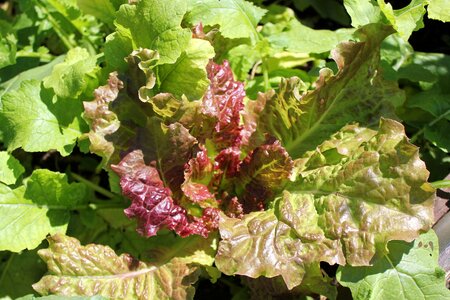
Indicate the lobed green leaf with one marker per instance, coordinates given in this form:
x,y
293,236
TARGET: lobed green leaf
x,y
38,208
407,271
30,119
162,23
236,18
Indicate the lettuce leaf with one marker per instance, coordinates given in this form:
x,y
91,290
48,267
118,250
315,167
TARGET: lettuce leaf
x,y
162,21
152,202
405,20
350,196
76,270
187,76
357,93
439,10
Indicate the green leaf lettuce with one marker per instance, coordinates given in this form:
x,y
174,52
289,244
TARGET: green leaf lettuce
x,y
352,195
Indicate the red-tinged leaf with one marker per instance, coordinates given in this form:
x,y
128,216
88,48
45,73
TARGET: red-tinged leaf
x,y
250,116
96,270
233,208
170,147
197,31
152,203
263,172
197,192
211,218
224,101
228,161
103,121
197,177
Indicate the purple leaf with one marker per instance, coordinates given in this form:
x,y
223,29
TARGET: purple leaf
x,y
152,203
224,101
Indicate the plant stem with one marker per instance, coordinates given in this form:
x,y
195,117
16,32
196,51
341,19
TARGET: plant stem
x,y
93,186
265,74
421,131
58,29
441,184
45,57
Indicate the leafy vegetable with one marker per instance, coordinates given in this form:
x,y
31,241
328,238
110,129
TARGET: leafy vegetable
x,y
68,79
162,20
339,209
236,148
408,270
75,270
39,207
31,120
303,121
236,18
152,202
404,20
439,11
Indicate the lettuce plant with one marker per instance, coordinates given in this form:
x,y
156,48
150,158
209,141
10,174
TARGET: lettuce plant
x,y
213,170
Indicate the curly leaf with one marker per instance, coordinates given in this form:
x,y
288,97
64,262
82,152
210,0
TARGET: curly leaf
x,y
260,244
152,202
97,270
407,271
357,93
170,147
224,101
187,76
263,173
356,192
197,176
102,121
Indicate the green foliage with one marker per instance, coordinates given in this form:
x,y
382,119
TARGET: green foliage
x,y
69,79
10,168
7,50
188,75
37,208
404,20
268,136
338,181
30,119
235,18
19,272
162,22
407,270
439,10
